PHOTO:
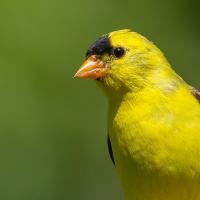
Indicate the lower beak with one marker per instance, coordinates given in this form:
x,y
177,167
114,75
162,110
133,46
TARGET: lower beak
x,y
92,68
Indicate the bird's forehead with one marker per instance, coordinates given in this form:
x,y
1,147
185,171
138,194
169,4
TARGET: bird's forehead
x,y
106,43
100,46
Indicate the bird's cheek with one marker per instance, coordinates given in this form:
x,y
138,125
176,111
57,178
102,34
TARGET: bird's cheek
x,y
92,68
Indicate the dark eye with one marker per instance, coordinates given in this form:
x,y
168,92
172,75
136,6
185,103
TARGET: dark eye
x,y
118,52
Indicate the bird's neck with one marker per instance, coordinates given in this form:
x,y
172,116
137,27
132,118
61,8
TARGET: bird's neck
x,y
161,82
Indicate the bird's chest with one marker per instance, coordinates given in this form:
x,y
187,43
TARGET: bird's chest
x,y
147,161
143,168
135,133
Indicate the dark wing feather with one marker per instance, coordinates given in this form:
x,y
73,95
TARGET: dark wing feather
x,y
110,150
195,93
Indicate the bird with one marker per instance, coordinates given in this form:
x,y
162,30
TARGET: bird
x,y
153,117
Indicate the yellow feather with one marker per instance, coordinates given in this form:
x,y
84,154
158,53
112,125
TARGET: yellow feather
x,y
154,123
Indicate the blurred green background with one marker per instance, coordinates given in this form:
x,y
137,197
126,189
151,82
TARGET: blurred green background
x,y
52,127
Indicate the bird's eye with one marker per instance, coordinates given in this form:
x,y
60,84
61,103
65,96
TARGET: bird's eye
x,y
118,52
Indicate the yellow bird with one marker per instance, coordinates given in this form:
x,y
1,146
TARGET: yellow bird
x,y
153,118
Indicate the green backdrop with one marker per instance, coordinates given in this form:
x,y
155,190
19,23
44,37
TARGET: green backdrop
x,y
53,127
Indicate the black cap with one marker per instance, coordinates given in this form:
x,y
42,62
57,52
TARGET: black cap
x,y
100,46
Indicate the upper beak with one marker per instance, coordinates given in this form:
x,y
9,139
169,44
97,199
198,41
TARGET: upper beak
x,y
92,68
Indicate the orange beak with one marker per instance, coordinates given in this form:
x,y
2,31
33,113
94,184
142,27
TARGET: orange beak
x,y
92,68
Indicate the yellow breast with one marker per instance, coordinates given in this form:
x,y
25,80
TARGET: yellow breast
x,y
156,144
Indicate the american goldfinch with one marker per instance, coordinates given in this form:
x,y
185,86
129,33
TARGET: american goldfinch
x,y
153,118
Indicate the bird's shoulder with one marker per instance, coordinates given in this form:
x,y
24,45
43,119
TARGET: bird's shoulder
x,y
195,93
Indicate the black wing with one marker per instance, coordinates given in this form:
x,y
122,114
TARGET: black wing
x,y
110,150
196,93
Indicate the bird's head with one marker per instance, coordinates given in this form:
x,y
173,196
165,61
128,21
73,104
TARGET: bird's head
x,y
120,61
